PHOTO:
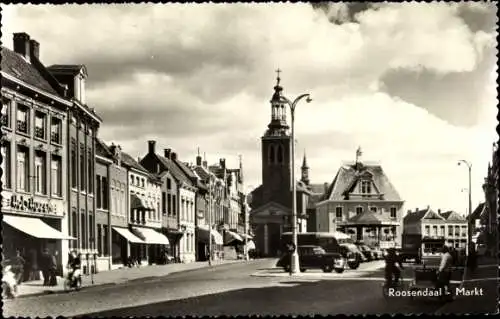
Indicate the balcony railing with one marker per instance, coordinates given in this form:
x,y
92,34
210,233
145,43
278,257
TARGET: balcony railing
x,y
22,126
55,137
39,132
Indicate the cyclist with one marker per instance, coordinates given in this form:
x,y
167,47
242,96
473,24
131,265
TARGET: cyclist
x,y
392,260
75,265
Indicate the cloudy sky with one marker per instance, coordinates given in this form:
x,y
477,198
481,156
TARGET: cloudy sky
x,y
413,84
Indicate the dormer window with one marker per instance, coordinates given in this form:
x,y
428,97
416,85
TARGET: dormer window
x,y
80,88
366,187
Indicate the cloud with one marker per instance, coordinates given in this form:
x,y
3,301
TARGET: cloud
x,y
412,83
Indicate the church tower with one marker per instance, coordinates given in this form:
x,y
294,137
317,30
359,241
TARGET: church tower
x,y
276,152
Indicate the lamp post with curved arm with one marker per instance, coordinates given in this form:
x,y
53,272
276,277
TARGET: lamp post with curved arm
x,y
469,228
294,264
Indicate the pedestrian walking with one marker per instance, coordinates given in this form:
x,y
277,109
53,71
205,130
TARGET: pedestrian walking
x,y
44,266
18,264
52,269
472,259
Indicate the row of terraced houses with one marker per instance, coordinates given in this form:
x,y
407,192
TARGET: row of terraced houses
x,y
64,188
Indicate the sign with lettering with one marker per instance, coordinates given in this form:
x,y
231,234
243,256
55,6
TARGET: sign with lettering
x,y
29,204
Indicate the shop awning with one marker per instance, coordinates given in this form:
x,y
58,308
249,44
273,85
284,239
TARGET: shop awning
x,y
232,236
125,233
151,236
137,203
35,227
247,236
203,234
340,235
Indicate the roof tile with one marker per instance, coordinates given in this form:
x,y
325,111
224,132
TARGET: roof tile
x,y
348,174
16,66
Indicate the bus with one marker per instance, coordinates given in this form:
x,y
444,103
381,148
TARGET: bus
x,y
328,241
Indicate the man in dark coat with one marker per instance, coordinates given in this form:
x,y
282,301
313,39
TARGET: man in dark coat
x,y
44,266
52,269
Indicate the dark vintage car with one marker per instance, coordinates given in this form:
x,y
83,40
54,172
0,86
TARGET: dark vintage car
x,y
367,252
377,253
314,257
352,254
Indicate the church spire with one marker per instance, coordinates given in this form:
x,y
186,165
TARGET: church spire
x,y
304,161
305,170
240,175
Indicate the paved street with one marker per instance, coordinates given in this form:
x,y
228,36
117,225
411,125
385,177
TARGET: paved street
x,y
231,290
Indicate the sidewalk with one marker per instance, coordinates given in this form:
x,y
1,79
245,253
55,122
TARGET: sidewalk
x,y
113,277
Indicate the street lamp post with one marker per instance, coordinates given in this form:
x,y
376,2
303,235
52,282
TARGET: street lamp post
x,y
469,228
294,264
210,220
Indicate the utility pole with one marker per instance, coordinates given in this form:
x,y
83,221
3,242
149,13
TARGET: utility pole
x,y
469,228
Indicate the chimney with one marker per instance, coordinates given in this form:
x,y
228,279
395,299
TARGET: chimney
x,y
167,152
34,49
119,155
151,147
439,210
22,44
416,209
326,187
205,164
222,162
173,156
198,160
409,211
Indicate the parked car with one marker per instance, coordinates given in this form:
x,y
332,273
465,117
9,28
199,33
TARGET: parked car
x,y
367,252
352,254
314,257
377,253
